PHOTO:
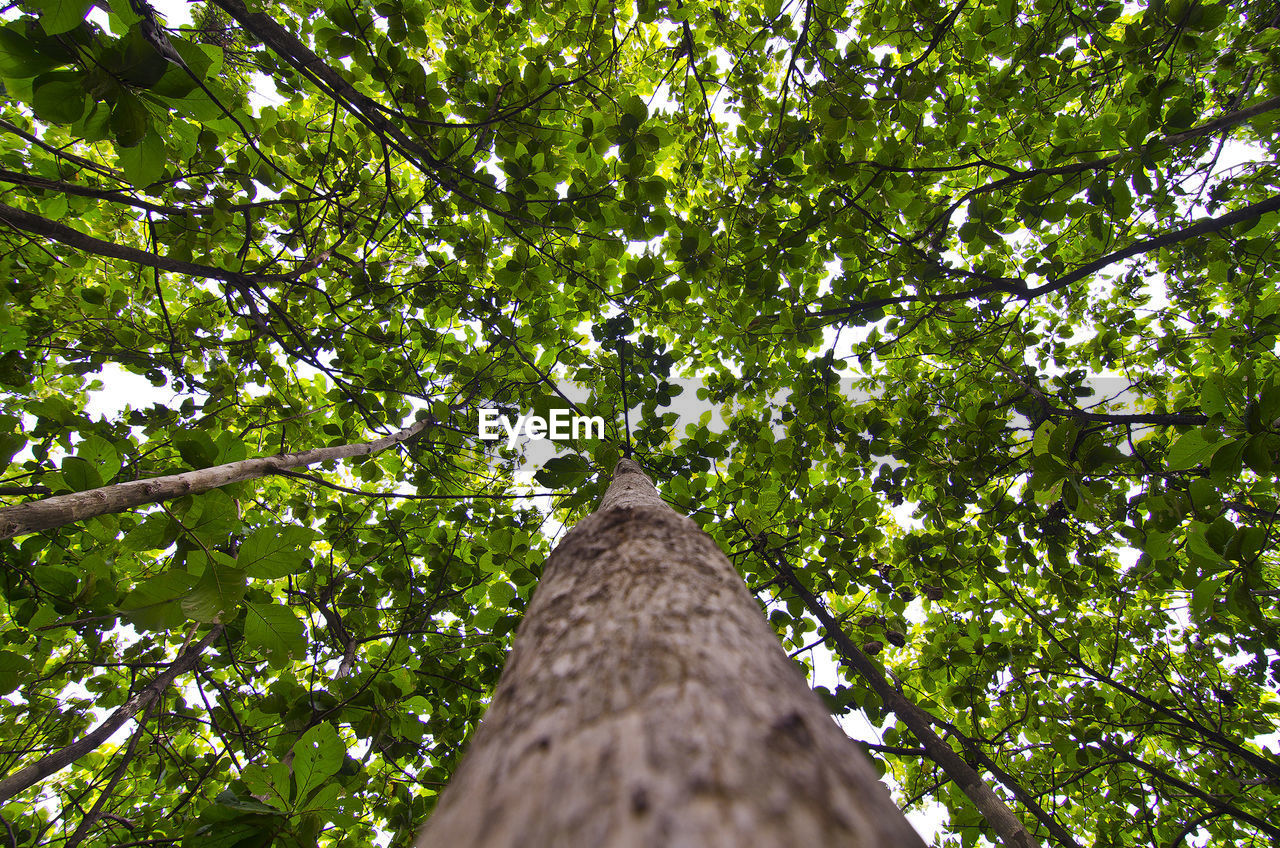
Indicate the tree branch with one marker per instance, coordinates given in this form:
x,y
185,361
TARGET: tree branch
x,y
36,225
28,776
1002,820
1204,226
1160,774
287,45
96,813
58,510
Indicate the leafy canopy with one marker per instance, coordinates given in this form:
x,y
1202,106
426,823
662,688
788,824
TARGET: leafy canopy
x,y
911,254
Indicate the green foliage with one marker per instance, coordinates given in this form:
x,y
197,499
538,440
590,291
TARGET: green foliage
x,y
987,313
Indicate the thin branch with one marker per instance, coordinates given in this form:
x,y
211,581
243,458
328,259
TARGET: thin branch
x,y
36,225
96,813
29,775
1020,290
991,806
59,510
1160,774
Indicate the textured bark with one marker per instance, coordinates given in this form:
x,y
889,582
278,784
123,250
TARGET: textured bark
x,y
58,510
646,702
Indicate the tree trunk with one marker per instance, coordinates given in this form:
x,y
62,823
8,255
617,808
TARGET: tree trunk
x,y
58,510
646,702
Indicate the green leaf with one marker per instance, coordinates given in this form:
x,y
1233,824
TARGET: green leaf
x,y
1181,115
562,472
10,444
154,533
59,97
501,594
129,120
1205,593
1269,404
276,632
1049,495
20,58
121,13
196,448
95,125
59,16
144,163
1227,461
317,756
1213,400
637,108
80,475
1040,445
203,60
1205,495
342,15
1257,453
485,618
154,603
234,834
1191,450
174,84
57,580
14,669
1202,553
220,590
101,454
198,105
227,798
140,65
275,551
324,799
211,518
268,780
676,292
230,448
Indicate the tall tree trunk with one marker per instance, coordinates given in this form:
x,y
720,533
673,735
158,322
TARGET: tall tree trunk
x,y
47,513
647,702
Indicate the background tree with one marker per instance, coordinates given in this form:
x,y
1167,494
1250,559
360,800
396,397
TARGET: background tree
x,y
915,256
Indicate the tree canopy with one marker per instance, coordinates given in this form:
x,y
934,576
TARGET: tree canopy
x,y
985,294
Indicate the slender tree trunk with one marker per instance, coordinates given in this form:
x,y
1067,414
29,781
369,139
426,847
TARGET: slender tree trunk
x,y
646,702
1007,826
58,510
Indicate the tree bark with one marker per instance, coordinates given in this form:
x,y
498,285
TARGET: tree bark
x,y
647,702
58,510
